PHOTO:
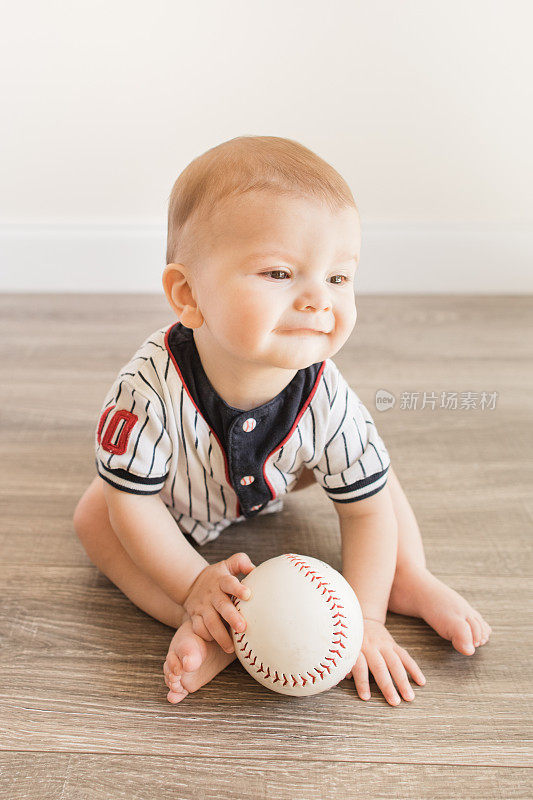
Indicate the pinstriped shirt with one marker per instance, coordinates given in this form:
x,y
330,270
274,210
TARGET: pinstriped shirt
x,y
164,429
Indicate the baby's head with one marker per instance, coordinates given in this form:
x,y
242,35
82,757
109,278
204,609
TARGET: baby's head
x,y
263,239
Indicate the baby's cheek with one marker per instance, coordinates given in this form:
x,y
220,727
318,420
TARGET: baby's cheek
x,y
240,330
250,318
345,322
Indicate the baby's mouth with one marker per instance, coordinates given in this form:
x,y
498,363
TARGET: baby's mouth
x,y
302,331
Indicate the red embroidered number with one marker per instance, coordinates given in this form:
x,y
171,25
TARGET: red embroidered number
x,y
107,444
102,423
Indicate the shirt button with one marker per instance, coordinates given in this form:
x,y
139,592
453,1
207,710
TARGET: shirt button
x,y
249,424
247,480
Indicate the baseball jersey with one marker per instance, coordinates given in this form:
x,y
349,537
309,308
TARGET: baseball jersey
x,y
164,429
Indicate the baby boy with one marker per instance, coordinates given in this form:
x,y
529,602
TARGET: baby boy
x,y
218,416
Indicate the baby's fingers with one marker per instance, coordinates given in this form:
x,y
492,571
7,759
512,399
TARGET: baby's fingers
x,y
397,670
360,676
381,674
227,611
218,631
198,626
239,562
411,666
232,586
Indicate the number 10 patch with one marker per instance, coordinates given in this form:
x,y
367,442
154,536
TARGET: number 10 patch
x,y
128,418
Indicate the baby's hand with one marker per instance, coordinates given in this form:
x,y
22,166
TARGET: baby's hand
x,y
385,658
209,600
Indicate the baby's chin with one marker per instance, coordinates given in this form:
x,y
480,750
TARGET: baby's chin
x,y
299,355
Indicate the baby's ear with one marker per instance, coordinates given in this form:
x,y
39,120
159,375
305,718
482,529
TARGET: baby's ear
x,y
180,296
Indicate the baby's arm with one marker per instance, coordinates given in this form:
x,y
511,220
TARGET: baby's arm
x,y
369,533
152,539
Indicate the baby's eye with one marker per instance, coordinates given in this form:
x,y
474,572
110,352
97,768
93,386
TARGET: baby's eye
x,y
282,272
275,271
340,283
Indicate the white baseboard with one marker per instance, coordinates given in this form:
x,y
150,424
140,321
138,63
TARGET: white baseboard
x,y
394,259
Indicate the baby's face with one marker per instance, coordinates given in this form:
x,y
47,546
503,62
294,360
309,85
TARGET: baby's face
x,y
275,265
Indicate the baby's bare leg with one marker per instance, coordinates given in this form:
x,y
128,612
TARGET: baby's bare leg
x,y
410,547
191,662
416,592
94,529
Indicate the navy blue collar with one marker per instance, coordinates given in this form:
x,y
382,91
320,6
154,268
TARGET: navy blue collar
x,y
265,426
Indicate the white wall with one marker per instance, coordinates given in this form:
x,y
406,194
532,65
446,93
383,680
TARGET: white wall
x,y
424,106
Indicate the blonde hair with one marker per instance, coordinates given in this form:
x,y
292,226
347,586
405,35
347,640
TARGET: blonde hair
x,y
245,164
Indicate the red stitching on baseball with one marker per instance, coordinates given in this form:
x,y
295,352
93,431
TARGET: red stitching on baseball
x,y
341,644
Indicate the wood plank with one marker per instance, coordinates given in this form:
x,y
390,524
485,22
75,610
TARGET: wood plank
x,y
94,777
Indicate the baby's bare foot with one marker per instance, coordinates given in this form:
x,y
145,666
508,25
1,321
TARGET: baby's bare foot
x,y
420,594
191,662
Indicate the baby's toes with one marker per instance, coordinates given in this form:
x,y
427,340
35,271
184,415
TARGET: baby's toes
x,y
486,630
191,654
173,664
170,661
175,686
475,624
187,648
462,638
177,692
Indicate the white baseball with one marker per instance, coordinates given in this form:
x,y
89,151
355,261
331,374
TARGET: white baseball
x,y
304,626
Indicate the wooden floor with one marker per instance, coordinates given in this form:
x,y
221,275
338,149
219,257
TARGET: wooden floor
x,y
84,713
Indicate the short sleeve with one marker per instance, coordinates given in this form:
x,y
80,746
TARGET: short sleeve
x,y
133,448
355,461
